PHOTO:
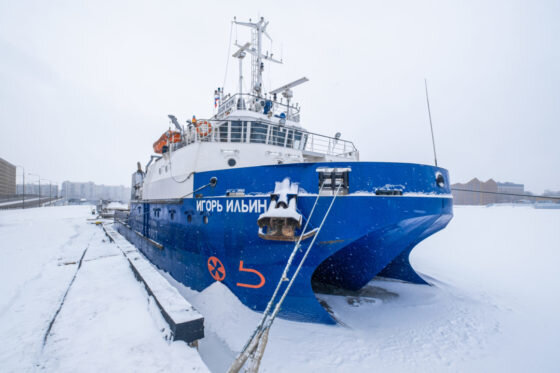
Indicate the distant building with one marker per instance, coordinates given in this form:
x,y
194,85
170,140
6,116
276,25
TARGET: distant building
x,y
510,188
46,189
462,197
7,178
94,192
469,193
552,193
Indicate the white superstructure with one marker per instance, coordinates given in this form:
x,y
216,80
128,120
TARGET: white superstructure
x,y
249,129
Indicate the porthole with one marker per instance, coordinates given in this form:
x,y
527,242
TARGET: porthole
x,y
231,162
440,180
205,220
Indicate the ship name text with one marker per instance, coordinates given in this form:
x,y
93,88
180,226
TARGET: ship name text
x,y
233,205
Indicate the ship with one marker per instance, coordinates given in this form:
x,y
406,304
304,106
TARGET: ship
x,y
228,198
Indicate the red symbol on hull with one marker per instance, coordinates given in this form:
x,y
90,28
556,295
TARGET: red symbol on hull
x,y
216,269
261,277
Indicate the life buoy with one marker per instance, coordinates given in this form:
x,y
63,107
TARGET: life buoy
x,y
203,128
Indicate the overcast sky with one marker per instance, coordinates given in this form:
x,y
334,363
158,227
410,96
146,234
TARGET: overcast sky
x,y
86,86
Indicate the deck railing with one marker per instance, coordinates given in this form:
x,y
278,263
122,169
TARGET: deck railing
x,y
257,132
266,106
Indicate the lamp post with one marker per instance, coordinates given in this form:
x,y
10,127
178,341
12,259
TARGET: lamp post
x,y
23,194
39,177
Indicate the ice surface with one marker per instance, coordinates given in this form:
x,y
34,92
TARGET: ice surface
x,y
493,306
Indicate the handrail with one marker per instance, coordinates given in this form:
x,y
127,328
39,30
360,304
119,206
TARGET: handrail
x,y
263,132
231,104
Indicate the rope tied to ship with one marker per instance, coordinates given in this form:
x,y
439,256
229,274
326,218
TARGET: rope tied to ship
x,y
256,345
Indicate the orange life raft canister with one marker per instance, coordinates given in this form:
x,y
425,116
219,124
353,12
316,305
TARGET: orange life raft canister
x,y
171,136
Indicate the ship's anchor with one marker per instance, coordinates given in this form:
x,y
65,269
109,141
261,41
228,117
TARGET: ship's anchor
x,y
281,220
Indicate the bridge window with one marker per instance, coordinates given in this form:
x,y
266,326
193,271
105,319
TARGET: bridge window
x,y
222,132
297,140
290,139
258,132
238,131
278,136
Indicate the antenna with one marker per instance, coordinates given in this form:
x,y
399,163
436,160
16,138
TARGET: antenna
x,y
240,54
287,92
241,50
430,116
289,85
257,66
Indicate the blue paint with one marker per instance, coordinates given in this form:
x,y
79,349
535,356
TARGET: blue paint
x,y
365,235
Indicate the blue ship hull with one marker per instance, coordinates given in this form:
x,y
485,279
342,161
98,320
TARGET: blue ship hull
x,y
214,237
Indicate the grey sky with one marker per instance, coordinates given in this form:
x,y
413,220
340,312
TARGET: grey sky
x,y
85,87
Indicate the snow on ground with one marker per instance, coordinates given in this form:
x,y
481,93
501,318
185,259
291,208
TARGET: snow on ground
x,y
117,205
107,322
493,306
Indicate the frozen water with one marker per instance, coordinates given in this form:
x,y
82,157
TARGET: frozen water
x,y
493,305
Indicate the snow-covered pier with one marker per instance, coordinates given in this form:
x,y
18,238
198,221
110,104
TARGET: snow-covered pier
x,y
56,317
186,323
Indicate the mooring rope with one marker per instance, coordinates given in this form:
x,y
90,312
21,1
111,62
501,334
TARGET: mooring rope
x,y
256,344
283,276
288,264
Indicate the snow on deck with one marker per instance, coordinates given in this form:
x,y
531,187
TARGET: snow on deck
x,y
107,322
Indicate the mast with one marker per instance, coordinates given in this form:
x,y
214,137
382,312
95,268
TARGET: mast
x,y
240,54
257,58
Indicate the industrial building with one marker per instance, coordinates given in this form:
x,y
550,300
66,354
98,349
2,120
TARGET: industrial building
x,y
477,192
7,179
510,188
461,197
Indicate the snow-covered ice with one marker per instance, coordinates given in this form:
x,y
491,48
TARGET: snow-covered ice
x,y
107,322
493,305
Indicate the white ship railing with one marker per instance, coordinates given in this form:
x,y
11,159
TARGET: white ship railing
x,y
257,104
233,131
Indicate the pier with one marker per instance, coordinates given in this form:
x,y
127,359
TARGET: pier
x,y
72,303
